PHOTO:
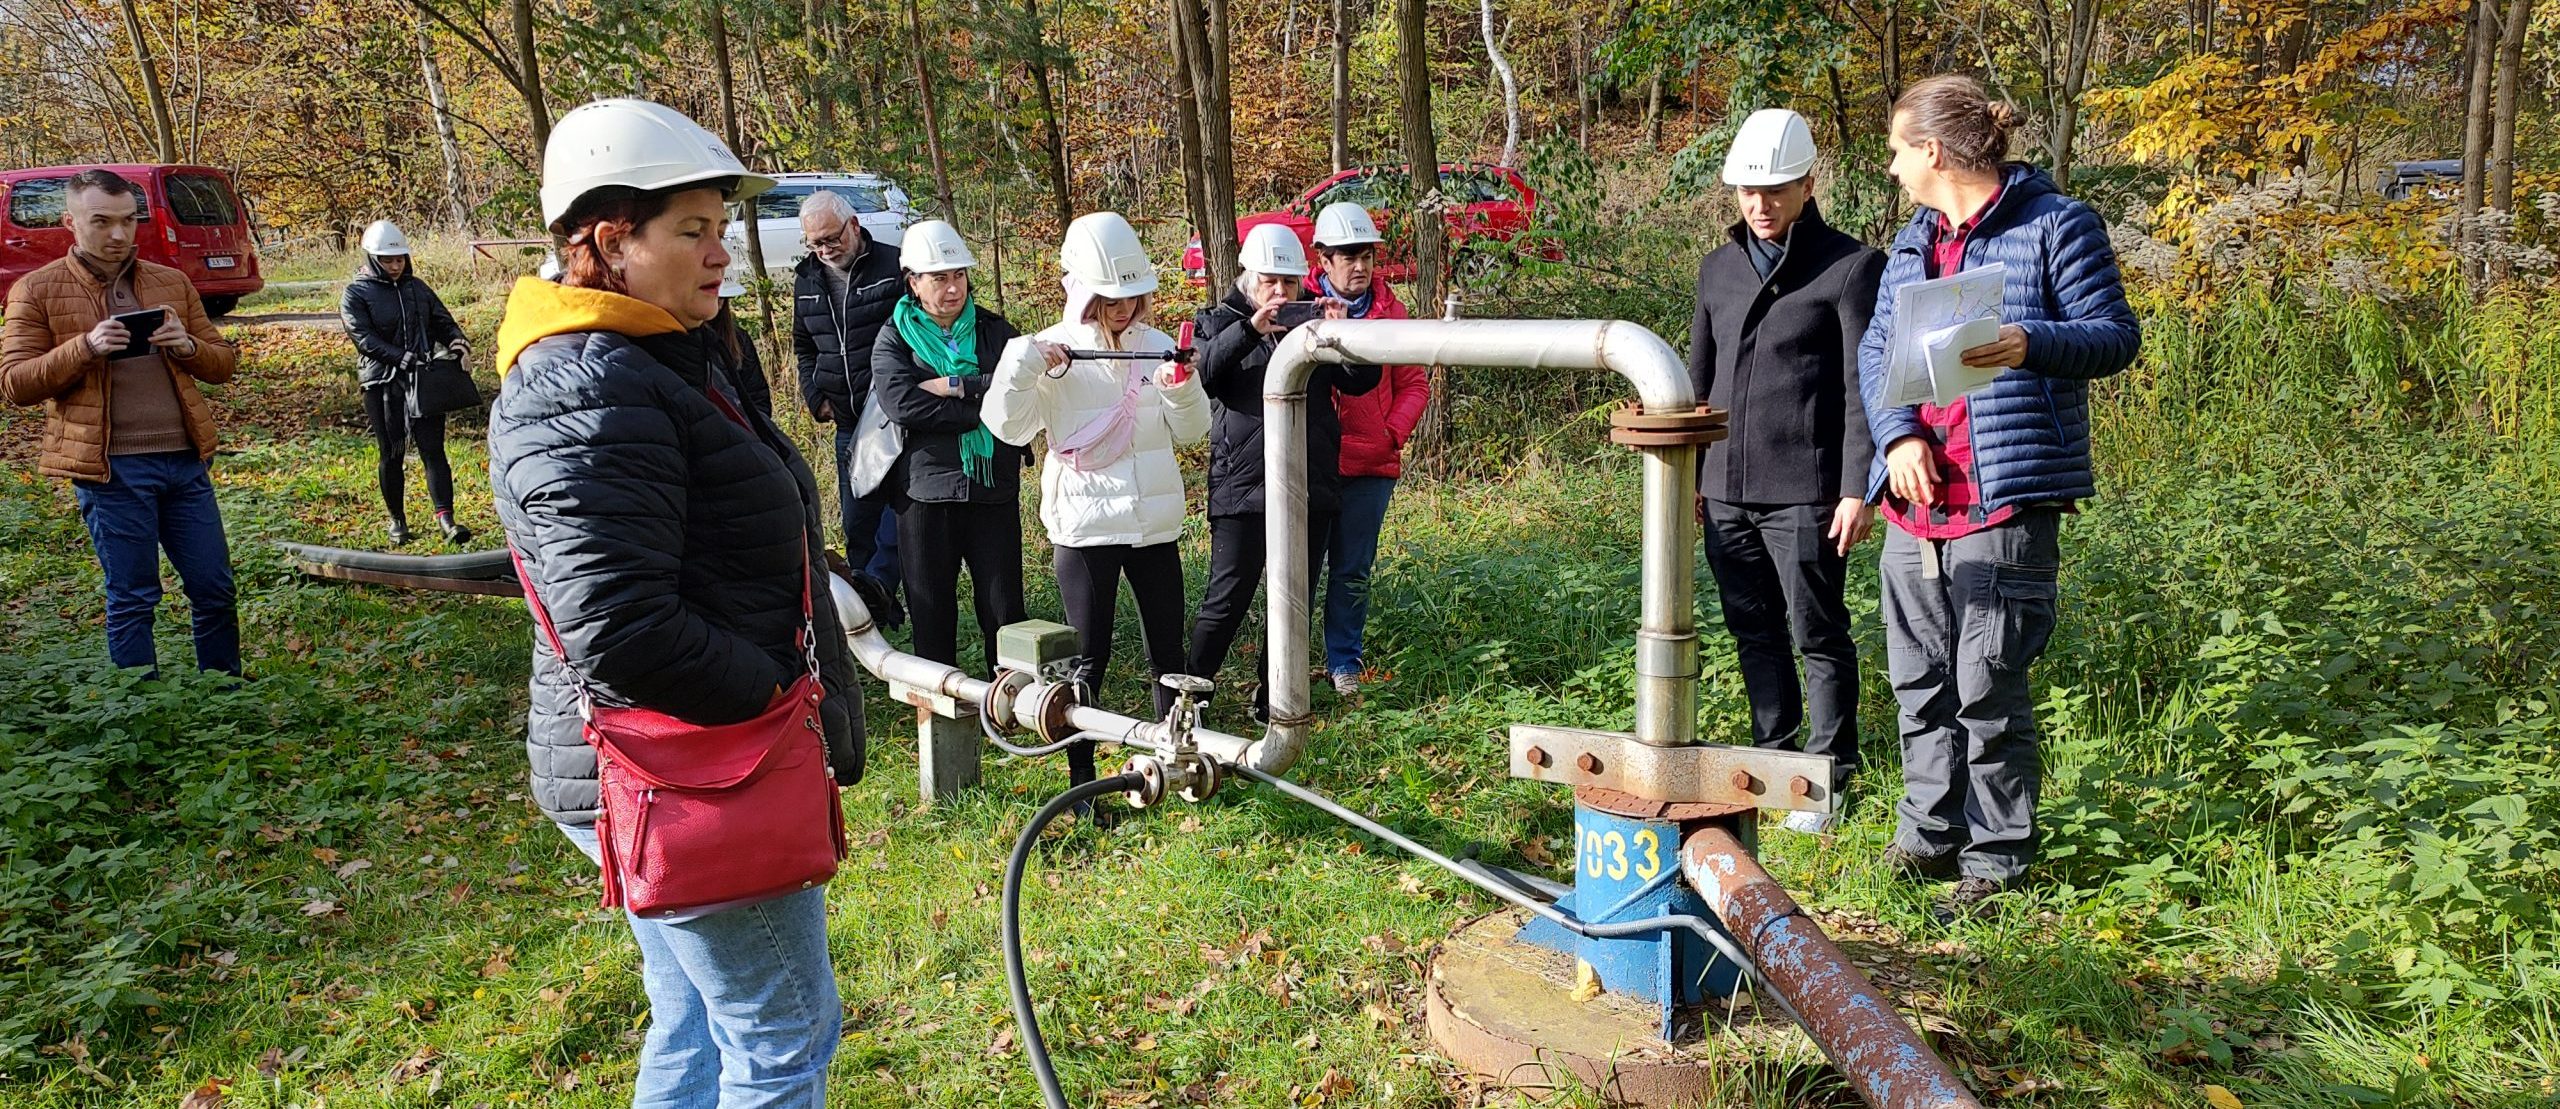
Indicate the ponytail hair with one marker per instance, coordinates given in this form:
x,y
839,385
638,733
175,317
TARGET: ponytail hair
x,y
1971,127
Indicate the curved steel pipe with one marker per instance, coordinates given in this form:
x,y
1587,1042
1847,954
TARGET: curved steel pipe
x,y
1667,641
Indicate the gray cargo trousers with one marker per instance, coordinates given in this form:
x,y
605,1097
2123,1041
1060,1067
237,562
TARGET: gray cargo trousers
x,y
1964,619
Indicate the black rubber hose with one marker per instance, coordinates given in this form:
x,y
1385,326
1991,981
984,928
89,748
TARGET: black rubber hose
x,y
473,565
1033,1047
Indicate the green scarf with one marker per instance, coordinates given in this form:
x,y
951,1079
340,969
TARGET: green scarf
x,y
953,354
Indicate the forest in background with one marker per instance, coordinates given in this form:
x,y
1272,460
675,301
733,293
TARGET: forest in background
x,y
2210,131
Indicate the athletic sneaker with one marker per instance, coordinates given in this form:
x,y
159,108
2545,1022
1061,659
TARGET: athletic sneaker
x,y
1346,685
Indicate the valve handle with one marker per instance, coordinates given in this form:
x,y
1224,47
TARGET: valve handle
x,y
1187,683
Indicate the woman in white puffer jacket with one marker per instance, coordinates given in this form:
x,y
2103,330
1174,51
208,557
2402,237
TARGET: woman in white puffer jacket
x,y
1110,487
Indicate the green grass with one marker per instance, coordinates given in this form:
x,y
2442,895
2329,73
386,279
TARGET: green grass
x,y
180,897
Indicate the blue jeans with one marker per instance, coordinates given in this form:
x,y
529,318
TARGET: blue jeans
x,y
1355,551
742,1004
870,525
150,503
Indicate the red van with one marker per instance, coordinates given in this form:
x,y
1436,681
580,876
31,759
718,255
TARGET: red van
x,y
191,221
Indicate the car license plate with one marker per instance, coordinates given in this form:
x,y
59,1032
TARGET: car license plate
x,y
218,263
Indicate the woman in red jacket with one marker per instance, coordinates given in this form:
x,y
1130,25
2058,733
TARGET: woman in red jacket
x,y
1375,426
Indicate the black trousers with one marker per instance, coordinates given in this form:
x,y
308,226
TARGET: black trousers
x,y
386,411
935,540
1089,588
1235,569
1782,583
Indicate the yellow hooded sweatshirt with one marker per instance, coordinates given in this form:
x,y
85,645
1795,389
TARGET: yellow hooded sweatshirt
x,y
538,309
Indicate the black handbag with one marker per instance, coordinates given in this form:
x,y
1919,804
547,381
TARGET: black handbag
x,y
440,387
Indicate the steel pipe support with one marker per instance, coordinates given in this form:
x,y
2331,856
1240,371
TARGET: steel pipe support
x,y
1667,671
1855,1026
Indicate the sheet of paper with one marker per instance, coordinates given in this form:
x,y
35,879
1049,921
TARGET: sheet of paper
x,y
1944,349
1923,308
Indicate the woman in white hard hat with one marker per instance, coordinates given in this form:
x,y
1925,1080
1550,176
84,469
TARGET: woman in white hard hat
x,y
1111,490
398,325
1237,336
1375,426
957,488
668,540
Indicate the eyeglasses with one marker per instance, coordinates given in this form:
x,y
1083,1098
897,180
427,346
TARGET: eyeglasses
x,y
829,242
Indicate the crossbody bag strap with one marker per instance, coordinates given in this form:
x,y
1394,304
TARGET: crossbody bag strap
x,y
542,616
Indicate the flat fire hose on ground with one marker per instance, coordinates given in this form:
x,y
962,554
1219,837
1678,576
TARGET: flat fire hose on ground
x,y
483,573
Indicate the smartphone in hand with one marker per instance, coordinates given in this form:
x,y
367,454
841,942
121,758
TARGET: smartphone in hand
x,y
1297,312
138,327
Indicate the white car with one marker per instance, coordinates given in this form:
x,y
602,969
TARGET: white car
x,y
881,206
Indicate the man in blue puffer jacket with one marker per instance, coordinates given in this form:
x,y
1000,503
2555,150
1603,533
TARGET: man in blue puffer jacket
x,y
1976,490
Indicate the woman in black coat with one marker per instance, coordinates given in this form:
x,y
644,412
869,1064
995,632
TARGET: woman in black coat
x,y
671,534
398,325
956,486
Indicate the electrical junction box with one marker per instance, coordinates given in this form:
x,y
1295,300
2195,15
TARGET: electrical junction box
x,y
1034,646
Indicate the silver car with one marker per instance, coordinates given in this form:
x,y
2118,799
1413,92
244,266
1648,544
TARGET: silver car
x,y
879,203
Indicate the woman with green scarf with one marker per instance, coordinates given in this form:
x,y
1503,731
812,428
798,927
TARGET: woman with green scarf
x,y
957,489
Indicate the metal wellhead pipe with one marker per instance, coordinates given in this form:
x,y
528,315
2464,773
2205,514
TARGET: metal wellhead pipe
x,y
1667,641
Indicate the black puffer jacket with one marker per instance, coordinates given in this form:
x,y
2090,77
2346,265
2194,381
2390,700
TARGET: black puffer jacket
x,y
1780,355
930,470
824,330
667,542
391,318
1233,357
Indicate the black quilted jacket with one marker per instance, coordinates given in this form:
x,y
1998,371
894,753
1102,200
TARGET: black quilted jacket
x,y
826,329
387,319
667,541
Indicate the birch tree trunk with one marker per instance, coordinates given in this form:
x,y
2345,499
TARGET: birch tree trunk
x,y
1510,84
432,75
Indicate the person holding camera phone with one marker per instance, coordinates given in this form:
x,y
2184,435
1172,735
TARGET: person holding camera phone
x,y
1237,336
399,325
114,346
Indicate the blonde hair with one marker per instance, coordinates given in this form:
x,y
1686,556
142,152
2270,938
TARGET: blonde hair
x,y
1971,127
1109,339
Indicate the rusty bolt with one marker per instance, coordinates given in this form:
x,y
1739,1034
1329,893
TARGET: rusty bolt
x,y
1799,786
1590,763
1538,757
1743,781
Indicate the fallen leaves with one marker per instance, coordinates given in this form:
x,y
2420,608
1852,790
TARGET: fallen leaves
x,y
274,1061
1003,1042
207,1096
353,868
2221,1098
415,1066
321,907
498,964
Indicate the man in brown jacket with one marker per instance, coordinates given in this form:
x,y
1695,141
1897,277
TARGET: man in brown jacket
x,y
123,419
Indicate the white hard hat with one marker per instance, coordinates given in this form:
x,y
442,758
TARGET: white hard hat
x,y
1773,148
637,144
383,237
1346,223
933,247
1273,249
1103,253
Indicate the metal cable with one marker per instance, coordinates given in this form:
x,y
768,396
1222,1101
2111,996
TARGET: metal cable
x,y
1033,1047
1487,882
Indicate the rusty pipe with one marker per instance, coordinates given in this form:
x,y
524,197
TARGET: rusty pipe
x,y
1856,1028
1667,640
